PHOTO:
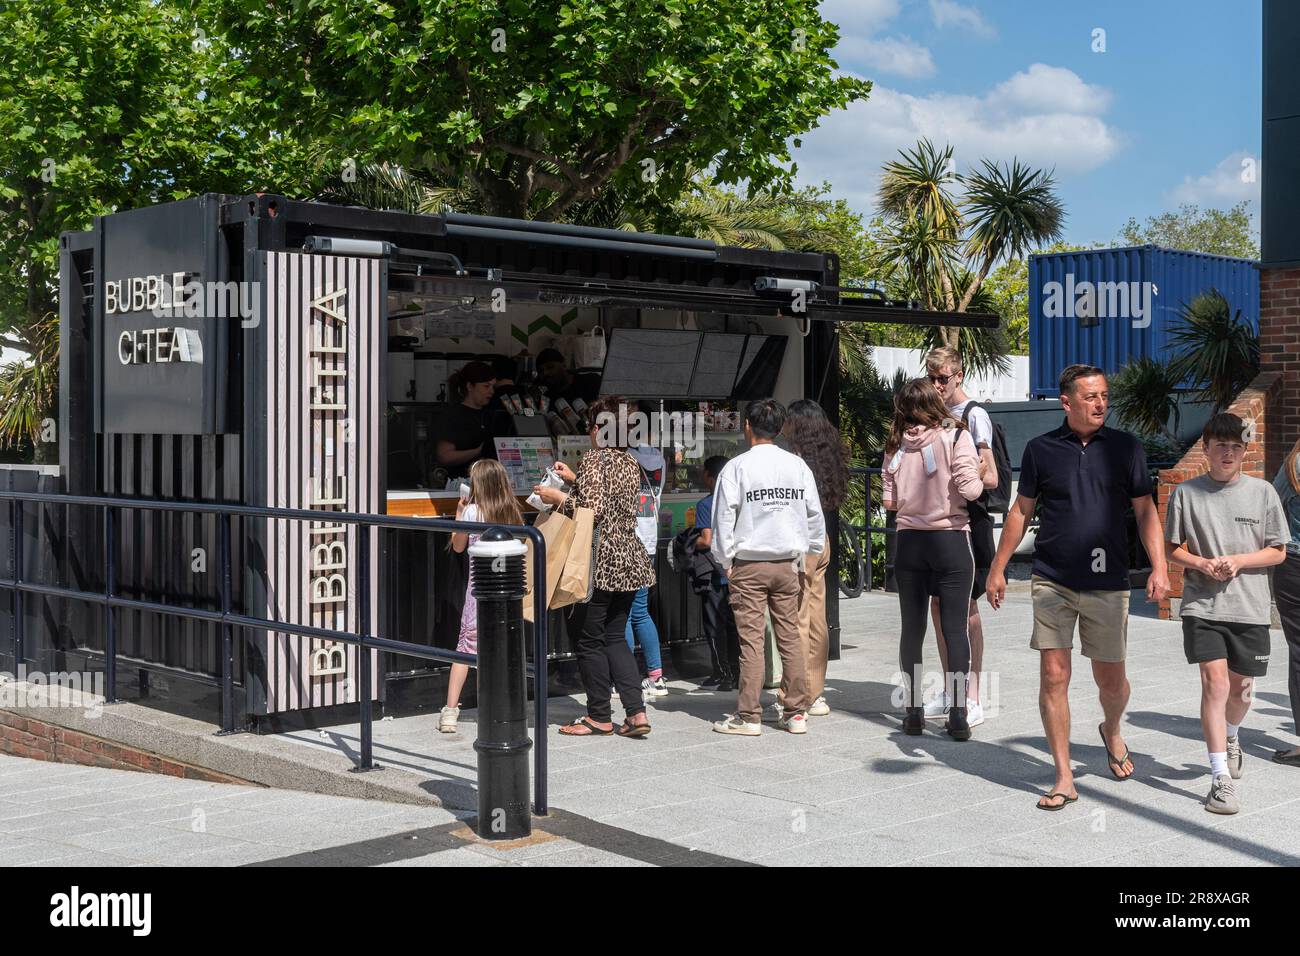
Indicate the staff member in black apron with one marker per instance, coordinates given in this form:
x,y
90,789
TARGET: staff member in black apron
x,y
465,431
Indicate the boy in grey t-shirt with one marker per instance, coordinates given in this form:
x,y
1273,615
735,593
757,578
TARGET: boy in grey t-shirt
x,y
1226,529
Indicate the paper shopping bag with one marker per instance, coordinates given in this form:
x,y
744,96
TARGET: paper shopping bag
x,y
576,580
557,532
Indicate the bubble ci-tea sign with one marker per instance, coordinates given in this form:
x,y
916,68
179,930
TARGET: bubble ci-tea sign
x,y
162,328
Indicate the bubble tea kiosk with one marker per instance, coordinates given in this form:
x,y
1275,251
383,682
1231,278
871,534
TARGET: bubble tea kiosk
x,y
261,350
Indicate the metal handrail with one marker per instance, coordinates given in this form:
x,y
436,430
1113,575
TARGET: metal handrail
x,y
229,619
860,534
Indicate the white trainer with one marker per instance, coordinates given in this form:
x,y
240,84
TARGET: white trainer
x,y
819,708
795,723
447,719
938,707
734,724
974,713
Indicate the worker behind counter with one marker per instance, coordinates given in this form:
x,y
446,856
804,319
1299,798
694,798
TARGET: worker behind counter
x,y
553,373
465,431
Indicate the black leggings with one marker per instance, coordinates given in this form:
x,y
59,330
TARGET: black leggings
x,y
1286,591
604,659
942,563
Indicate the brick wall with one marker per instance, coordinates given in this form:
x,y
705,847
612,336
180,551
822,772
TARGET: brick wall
x,y
1279,352
1258,402
27,737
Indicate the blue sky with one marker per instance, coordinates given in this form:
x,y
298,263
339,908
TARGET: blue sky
x,y
1166,114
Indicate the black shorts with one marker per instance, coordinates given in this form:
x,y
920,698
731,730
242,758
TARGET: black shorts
x,y
981,545
1244,646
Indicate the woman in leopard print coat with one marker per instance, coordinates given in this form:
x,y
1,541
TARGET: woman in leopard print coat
x,y
608,481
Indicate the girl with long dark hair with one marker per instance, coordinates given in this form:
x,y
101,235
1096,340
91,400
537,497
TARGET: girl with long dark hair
x,y
931,470
813,438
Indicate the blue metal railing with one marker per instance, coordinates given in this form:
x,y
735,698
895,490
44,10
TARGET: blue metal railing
x,y
228,618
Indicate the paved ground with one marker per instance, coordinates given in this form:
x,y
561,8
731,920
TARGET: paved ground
x,y
853,790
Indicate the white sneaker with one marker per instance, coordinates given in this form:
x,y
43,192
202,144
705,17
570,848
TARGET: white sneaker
x,y
819,708
938,707
734,724
655,688
795,723
447,719
974,713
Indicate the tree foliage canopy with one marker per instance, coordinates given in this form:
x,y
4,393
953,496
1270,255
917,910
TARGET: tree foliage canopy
x,y
1220,232
542,104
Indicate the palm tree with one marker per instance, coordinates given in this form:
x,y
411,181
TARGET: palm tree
x,y
1144,394
1008,211
1214,349
920,184
29,388
983,350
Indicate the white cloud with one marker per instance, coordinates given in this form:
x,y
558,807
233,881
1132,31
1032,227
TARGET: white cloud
x,y
1049,89
1061,129
863,47
1234,179
947,13
901,56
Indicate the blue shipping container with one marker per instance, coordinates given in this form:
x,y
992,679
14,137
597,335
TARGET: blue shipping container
x,y
1107,307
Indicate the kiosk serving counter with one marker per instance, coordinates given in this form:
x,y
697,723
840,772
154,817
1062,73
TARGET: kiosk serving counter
x,y
266,351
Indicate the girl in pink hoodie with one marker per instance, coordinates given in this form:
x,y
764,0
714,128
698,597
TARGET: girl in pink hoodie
x,y
931,470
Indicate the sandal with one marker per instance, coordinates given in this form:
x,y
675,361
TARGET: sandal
x,y
630,729
1110,758
1286,758
589,729
1065,801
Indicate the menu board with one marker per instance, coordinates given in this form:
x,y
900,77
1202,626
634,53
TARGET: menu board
x,y
525,461
572,447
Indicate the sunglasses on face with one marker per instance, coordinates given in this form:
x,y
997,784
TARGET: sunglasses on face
x,y
940,379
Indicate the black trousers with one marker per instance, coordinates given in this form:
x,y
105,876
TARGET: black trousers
x,y
720,630
942,563
604,659
1286,591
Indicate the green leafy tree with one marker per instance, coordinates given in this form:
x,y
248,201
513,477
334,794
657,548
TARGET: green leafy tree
x,y
1220,232
541,105
102,106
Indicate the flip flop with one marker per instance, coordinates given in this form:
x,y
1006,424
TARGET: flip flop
x,y
630,729
1065,801
1110,758
1281,757
570,730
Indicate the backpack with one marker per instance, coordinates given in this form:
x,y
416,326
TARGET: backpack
x,y
998,498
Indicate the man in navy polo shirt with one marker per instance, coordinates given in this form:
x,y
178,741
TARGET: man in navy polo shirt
x,y
1083,477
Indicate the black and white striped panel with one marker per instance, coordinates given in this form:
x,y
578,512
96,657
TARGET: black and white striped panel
x,y
308,452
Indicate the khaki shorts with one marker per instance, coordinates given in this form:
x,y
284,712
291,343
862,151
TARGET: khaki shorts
x,y
1102,617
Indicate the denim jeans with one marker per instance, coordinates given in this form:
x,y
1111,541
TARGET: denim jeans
x,y
640,624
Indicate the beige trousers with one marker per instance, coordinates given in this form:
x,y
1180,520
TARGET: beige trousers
x,y
773,586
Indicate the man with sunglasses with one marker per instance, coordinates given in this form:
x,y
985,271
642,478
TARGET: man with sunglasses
x,y
944,370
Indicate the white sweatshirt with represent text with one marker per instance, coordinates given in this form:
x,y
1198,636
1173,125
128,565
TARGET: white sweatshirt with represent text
x,y
766,508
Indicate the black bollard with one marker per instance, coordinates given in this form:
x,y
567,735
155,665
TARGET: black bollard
x,y
497,561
